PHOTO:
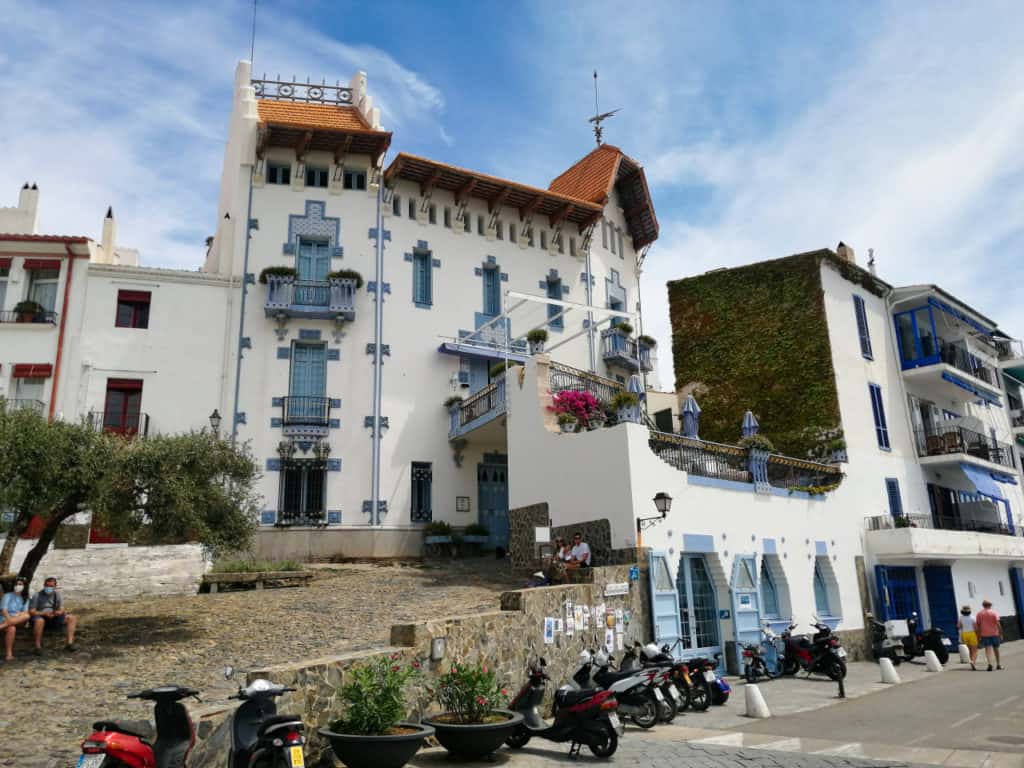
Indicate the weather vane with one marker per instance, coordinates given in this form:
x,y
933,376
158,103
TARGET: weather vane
x,y
598,117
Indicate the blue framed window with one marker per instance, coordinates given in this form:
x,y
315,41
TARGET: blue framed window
x,y
422,279
279,173
354,180
316,177
492,291
421,510
313,261
916,337
821,591
862,327
555,292
878,411
892,489
769,592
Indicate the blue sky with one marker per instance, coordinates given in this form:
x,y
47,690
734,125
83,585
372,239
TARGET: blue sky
x,y
765,128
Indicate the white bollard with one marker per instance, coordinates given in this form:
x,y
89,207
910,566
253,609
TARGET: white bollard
x,y
932,661
965,654
756,706
889,674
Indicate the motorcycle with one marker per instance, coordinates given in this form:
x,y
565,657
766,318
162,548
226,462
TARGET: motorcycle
x,y
821,653
634,689
580,717
261,738
689,680
135,744
762,660
651,656
717,688
934,639
886,643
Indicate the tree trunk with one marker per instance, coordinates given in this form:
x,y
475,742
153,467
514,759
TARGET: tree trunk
x,y
38,552
7,554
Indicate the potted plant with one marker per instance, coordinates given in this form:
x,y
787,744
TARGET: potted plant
x,y
472,724
567,422
277,271
647,341
499,368
623,402
370,731
624,328
453,400
759,442
536,339
28,311
346,274
476,534
583,405
596,420
437,532
901,521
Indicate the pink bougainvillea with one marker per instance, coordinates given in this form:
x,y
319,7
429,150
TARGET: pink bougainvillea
x,y
583,405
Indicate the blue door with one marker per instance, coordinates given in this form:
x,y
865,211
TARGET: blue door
x,y
897,592
664,603
308,383
1017,583
698,609
492,486
938,582
746,604
314,260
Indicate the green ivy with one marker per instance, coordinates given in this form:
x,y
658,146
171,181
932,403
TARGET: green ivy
x,y
756,338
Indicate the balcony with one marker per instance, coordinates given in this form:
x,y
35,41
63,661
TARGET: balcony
x,y
619,349
919,536
314,300
952,444
24,404
1011,356
306,415
43,317
478,410
120,423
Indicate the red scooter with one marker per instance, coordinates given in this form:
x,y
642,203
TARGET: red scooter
x,y
821,653
133,744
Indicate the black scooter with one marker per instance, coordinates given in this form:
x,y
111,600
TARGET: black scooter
x,y
882,645
261,738
934,639
581,717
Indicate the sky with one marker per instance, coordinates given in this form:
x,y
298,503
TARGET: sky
x,y
765,129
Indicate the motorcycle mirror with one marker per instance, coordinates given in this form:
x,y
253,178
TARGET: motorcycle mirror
x,y
229,672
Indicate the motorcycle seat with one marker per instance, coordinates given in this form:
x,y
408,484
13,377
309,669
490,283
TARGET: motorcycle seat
x,y
610,677
276,720
140,729
568,698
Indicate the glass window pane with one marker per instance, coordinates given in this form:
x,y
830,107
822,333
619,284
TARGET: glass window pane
x,y
929,344
662,579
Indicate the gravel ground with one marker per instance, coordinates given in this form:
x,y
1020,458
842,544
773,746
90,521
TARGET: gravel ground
x,y
48,704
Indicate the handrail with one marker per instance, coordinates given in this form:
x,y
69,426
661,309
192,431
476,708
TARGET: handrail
x,y
813,466
562,378
947,439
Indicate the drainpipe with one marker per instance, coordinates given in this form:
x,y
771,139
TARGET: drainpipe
x,y
241,309
590,314
60,333
378,345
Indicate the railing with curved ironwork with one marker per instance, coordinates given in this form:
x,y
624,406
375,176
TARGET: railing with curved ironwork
x,y
702,457
789,472
563,378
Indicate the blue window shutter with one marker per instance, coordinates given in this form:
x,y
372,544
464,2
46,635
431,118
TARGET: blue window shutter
x,y
878,410
862,327
422,290
492,292
309,370
892,487
555,292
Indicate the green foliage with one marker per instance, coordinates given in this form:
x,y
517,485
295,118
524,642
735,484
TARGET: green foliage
x,y
346,274
475,529
901,521
28,307
647,341
757,441
624,327
815,490
470,693
624,399
276,271
498,368
437,528
254,566
756,338
537,335
374,696
567,418
450,401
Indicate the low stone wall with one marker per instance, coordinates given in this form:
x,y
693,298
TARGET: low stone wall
x,y
102,571
501,638
310,544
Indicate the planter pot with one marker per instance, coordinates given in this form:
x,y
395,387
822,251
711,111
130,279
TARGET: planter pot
x,y
437,539
571,427
536,347
595,424
26,317
473,742
475,539
377,751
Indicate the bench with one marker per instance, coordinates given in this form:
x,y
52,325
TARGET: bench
x,y
258,579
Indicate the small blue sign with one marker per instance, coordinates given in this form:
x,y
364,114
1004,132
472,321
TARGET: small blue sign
x,y
724,614
634,573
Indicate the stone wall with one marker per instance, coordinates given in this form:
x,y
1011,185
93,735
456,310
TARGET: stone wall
x,y
522,544
524,521
115,570
502,639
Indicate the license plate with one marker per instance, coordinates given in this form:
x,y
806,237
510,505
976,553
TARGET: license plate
x,y
709,675
841,653
674,693
295,753
658,695
947,641
90,761
616,723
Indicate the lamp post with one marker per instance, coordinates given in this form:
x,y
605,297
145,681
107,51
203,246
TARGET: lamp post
x,y
215,422
663,503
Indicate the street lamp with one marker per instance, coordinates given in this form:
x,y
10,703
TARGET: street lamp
x,y
663,503
215,421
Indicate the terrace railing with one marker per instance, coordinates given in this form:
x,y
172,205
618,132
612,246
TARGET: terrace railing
x,y
789,472
489,400
941,440
306,411
563,378
702,457
43,316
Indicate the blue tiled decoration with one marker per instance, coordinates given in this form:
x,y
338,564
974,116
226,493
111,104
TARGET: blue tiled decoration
x,y
820,548
276,402
250,278
334,517
245,342
309,334
337,252
275,423
371,287
268,517
313,224
273,465
385,349
769,546
333,353
240,417
284,353
382,506
335,402
422,245
372,234
334,465
435,263
614,289
335,423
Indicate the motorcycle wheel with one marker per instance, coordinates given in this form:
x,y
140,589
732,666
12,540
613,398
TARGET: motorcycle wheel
x,y
718,698
667,710
700,697
941,653
686,692
896,659
836,670
790,667
649,716
604,744
520,738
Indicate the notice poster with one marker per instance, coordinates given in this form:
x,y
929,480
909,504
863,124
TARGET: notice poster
x,y
570,619
609,619
609,640
619,625
619,641
586,617
549,630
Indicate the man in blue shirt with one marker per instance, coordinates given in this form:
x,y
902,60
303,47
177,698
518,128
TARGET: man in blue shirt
x,y
47,611
13,613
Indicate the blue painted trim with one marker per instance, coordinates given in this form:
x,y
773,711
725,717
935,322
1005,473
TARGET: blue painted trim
x,y
821,548
334,465
245,343
769,547
309,334
333,354
276,402
250,278
268,517
240,418
334,423
284,353
335,402
422,305
337,252
334,517
273,465
288,249
698,542
972,389
275,423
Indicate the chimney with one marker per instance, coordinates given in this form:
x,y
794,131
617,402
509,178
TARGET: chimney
x,y
28,203
845,252
871,261
109,240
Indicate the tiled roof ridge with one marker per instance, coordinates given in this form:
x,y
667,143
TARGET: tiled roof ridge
x,y
592,176
271,110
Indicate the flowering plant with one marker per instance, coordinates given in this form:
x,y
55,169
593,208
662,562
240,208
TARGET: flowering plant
x,y
374,696
469,693
583,405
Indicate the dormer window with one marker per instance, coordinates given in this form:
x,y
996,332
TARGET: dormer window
x,y
354,180
316,177
279,173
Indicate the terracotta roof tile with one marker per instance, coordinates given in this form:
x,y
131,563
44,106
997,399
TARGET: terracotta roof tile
x,y
592,177
325,117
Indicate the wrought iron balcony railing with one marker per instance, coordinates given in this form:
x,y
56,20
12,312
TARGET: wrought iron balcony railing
x,y
941,439
119,423
310,298
306,411
488,401
962,360
43,316
620,349
1009,349
564,378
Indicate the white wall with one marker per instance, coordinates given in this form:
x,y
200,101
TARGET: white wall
x,y
985,576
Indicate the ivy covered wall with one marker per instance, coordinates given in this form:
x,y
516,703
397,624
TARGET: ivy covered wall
x,y
756,337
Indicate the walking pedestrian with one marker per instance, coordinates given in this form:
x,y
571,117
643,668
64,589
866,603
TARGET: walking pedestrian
x,y
990,633
968,633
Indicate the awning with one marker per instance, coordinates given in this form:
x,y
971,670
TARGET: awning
x,y
42,264
988,398
32,371
999,477
982,480
480,352
5,263
961,316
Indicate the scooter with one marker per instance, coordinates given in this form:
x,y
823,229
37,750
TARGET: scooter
x,y
821,653
934,639
762,660
261,738
632,688
885,643
581,717
135,744
650,656
688,679
717,688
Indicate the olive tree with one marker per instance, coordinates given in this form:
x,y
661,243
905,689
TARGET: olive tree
x,y
192,486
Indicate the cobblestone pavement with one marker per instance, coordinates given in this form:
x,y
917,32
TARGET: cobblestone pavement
x,y
48,704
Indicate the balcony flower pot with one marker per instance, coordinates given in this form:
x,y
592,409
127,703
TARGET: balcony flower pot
x,y
595,422
536,339
387,751
474,741
437,539
27,311
567,422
